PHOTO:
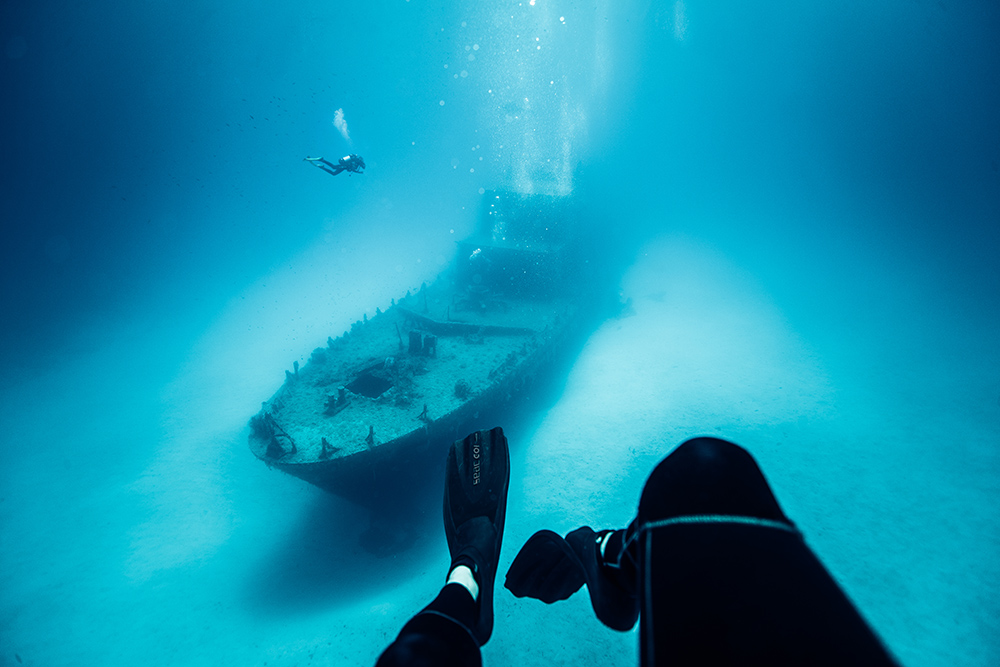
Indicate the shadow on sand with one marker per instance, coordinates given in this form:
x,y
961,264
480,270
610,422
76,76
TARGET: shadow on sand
x,y
335,551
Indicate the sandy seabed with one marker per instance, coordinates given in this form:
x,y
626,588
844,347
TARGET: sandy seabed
x,y
138,529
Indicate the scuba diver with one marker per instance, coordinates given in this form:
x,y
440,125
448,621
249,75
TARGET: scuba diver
x,y
711,568
352,163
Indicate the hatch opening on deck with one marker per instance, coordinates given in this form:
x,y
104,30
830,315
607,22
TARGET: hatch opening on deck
x,y
369,385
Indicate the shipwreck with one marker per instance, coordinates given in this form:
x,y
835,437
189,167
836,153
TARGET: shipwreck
x,y
382,402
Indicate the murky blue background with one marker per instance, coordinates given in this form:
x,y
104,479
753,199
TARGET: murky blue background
x,y
806,197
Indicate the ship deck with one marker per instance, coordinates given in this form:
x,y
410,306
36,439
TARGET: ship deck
x,y
385,387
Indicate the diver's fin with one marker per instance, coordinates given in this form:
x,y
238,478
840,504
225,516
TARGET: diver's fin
x,y
313,159
550,568
475,507
545,569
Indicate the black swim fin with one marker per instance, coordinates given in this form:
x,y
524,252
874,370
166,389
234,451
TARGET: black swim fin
x,y
545,569
475,507
550,568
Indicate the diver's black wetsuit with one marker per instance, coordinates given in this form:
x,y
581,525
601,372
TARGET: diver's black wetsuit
x,y
352,163
722,577
440,635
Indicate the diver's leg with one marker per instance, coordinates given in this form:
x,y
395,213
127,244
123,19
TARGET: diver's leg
x,y
725,577
451,629
703,476
325,165
439,635
708,476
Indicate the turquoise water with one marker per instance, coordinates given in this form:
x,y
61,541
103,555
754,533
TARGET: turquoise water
x,y
806,198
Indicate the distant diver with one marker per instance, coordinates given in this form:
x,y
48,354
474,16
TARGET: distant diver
x,y
352,163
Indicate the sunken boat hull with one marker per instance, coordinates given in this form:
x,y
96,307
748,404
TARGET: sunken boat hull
x,y
372,414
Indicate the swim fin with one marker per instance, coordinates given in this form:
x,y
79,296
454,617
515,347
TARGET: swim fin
x,y
475,507
545,569
550,568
